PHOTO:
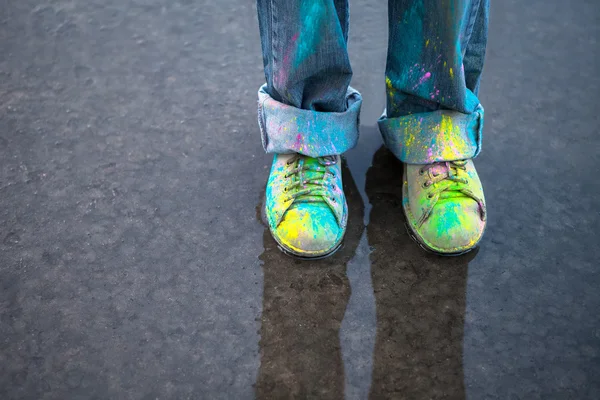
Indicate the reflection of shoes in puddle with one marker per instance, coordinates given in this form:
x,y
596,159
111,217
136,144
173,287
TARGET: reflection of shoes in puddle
x,y
420,300
304,303
305,205
444,206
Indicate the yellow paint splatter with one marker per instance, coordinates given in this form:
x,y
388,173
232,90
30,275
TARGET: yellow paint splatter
x,y
388,83
451,73
427,43
390,87
449,136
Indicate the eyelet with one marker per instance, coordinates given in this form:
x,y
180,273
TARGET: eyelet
x,y
430,196
333,199
421,172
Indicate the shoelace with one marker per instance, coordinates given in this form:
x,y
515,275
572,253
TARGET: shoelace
x,y
310,187
451,173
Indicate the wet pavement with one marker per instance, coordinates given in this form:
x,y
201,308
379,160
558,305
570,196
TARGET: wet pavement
x,y
134,263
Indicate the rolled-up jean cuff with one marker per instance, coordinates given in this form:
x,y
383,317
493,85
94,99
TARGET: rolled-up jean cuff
x,y
287,129
441,135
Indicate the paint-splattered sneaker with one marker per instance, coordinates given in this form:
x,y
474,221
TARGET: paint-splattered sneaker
x,y
305,204
444,206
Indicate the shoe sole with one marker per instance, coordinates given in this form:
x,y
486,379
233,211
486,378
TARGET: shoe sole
x,y
292,254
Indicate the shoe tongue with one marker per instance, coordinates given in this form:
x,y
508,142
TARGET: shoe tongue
x,y
453,191
312,164
452,194
439,169
309,173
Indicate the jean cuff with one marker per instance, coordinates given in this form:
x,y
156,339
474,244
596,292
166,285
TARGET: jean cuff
x,y
287,129
425,138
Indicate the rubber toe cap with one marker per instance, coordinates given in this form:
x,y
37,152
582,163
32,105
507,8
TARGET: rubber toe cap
x,y
455,225
309,229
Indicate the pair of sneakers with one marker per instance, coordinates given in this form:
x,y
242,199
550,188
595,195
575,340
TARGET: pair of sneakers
x,y
307,212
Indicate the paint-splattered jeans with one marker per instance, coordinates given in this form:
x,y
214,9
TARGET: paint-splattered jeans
x,y
435,57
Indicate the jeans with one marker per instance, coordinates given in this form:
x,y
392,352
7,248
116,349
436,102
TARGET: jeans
x,y
436,51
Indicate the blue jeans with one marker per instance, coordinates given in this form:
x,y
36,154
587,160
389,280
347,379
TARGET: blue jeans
x,y
435,57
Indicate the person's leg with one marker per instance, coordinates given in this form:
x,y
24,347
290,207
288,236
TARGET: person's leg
x,y
308,116
433,121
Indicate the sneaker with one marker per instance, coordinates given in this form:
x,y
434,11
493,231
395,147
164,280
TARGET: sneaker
x,y
444,206
305,205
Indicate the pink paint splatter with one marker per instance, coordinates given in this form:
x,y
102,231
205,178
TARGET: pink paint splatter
x,y
423,79
299,141
282,76
430,153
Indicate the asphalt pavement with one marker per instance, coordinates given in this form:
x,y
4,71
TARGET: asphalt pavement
x,y
134,263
